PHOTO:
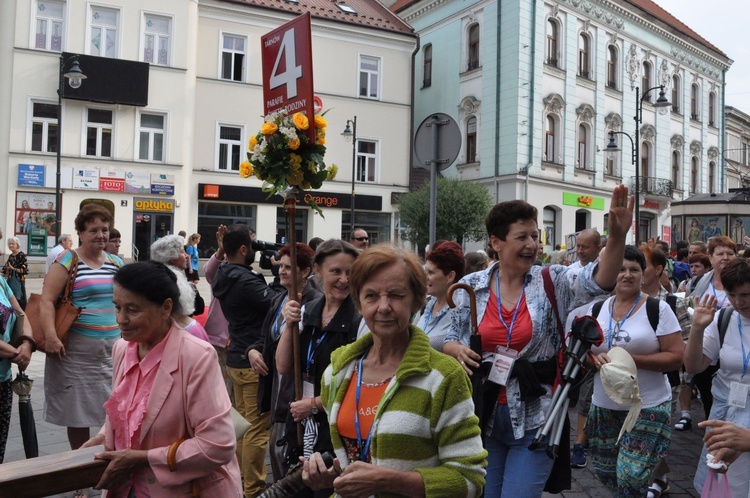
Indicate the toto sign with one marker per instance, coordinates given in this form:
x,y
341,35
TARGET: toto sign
x,y
287,69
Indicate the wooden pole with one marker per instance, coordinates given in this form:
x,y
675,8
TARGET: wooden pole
x,y
291,208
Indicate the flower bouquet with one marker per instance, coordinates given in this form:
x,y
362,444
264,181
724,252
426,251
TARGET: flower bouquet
x,y
283,156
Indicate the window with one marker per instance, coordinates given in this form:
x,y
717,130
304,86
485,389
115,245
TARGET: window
x,y
694,175
151,138
711,176
213,214
471,140
233,58
157,31
99,133
712,109
474,46
427,65
744,153
549,220
645,160
552,47
676,93
230,147
583,159
50,22
646,81
549,139
675,169
694,103
612,67
44,127
104,25
583,56
369,77
367,157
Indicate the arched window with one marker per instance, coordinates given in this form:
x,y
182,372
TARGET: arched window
x,y
645,161
474,46
612,67
695,102
549,142
427,65
584,66
712,109
711,176
471,140
676,93
549,220
693,175
583,140
552,42
646,81
675,169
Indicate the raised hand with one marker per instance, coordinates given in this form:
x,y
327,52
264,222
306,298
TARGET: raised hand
x,y
620,212
704,311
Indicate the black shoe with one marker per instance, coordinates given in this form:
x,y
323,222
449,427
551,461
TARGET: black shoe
x,y
684,424
578,457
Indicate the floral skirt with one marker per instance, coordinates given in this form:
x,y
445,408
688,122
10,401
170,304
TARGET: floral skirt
x,y
625,467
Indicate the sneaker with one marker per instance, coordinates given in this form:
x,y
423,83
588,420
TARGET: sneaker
x,y
684,424
578,457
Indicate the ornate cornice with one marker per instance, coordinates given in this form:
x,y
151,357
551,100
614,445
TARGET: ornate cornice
x,y
612,122
585,113
554,103
695,147
677,141
648,132
469,105
713,153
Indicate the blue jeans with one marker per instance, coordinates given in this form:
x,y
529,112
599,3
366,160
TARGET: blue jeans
x,y
512,469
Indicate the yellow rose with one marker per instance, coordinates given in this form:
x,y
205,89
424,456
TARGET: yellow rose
x,y
294,144
300,121
295,177
321,141
252,142
295,160
332,171
320,121
246,169
268,128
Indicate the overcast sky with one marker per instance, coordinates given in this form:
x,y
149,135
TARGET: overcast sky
x,y
724,23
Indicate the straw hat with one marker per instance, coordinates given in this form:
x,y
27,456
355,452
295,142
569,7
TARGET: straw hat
x,y
620,381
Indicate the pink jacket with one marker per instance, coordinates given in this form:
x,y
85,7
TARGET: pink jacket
x,y
188,400
216,325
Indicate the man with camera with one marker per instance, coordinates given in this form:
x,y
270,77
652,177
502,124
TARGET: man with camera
x,y
245,298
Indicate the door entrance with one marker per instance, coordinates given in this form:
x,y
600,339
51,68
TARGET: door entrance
x,y
148,228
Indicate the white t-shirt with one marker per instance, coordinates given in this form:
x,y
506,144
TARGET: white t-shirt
x,y
731,354
637,337
719,294
52,256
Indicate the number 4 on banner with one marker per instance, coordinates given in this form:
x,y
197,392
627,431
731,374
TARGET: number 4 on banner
x,y
292,73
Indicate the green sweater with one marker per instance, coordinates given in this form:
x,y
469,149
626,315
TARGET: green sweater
x,y
425,420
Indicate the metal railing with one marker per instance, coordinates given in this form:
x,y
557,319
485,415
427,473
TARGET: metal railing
x,y
136,252
654,186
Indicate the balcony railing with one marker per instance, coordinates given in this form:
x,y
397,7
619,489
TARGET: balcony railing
x,y
654,186
552,61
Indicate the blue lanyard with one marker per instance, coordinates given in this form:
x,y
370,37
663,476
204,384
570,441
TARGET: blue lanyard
x,y
276,325
311,350
439,317
745,357
363,449
509,328
620,324
719,305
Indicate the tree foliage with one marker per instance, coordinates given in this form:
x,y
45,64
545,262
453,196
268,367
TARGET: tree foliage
x,y
460,212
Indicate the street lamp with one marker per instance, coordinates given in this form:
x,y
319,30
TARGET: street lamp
x,y
662,104
350,133
75,76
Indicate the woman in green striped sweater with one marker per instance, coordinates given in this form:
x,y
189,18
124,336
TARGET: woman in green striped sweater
x,y
401,416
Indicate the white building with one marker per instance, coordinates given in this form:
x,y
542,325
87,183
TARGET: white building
x,y
172,165
737,151
537,86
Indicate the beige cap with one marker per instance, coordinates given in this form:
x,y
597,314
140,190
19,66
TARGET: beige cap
x,y
620,381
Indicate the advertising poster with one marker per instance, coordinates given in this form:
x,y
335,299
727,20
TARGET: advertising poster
x,y
740,230
702,228
34,221
86,179
137,182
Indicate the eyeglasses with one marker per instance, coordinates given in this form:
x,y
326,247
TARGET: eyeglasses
x,y
361,239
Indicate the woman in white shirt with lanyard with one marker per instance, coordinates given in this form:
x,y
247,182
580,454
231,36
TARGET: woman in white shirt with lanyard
x,y
730,384
625,464
444,266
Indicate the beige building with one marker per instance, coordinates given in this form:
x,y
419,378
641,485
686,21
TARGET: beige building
x,y
172,164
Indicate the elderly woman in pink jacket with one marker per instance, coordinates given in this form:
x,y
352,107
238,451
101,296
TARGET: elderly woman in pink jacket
x,y
167,387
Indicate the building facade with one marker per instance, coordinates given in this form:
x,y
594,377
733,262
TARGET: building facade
x,y
536,87
737,152
172,164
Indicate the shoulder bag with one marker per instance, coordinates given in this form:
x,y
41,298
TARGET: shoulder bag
x,y
66,313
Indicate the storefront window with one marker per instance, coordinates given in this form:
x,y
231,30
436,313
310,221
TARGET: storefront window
x,y
378,225
282,228
213,214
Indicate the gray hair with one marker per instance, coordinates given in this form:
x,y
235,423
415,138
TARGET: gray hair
x,y
167,248
62,238
14,239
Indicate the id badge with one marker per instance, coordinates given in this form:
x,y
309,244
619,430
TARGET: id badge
x,y
738,394
308,386
503,365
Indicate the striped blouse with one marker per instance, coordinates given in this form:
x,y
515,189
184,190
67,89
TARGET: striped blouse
x,y
93,290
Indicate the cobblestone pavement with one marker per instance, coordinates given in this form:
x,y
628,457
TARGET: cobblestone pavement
x,y
686,446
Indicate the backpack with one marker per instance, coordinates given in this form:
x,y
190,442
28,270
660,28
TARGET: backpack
x,y
725,314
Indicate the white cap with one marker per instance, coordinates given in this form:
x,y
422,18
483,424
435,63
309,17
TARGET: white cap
x,y
620,381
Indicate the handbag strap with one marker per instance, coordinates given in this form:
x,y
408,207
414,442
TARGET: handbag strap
x,y
72,274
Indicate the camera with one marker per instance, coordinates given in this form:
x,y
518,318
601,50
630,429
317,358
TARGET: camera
x,y
267,251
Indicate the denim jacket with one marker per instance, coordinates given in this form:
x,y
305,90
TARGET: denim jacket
x,y
572,289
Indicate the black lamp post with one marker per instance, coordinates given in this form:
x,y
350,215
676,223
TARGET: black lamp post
x,y
662,104
350,133
75,76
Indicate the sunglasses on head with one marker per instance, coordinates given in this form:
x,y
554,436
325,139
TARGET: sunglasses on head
x,y
361,239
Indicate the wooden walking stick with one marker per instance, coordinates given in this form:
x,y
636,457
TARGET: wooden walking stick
x,y
290,205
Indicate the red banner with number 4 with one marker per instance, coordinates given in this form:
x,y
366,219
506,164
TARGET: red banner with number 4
x,y
288,70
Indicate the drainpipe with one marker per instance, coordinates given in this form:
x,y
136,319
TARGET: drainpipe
x,y
497,101
532,99
724,131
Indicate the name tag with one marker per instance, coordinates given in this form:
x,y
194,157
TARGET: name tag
x,y
738,394
308,387
502,365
